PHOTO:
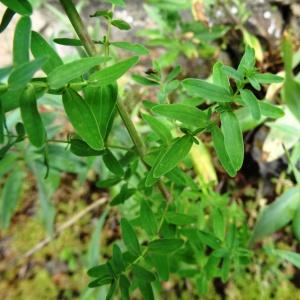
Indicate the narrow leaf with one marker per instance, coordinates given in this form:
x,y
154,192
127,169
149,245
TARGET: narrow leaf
x,y
22,41
63,74
21,75
130,238
21,7
252,102
7,17
32,120
148,221
219,145
175,153
68,42
111,74
207,90
142,274
40,48
112,163
121,24
81,148
165,246
233,139
133,47
186,114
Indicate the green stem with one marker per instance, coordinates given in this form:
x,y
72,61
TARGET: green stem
x,y
91,50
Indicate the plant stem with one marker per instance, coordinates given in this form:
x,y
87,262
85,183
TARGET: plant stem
x,y
91,50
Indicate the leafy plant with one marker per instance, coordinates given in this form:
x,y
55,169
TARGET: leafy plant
x,y
174,226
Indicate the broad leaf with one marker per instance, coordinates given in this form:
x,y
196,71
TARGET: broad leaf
x,y
40,48
233,139
32,120
82,119
142,274
270,110
112,73
186,114
63,74
102,101
207,90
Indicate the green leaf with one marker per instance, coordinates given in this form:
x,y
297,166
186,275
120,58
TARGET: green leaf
x,y
271,111
116,2
103,13
10,196
248,60
296,224
180,219
142,274
252,102
111,74
112,290
268,78
117,260
233,73
161,264
68,42
147,219
63,74
287,55
186,114
32,120
219,76
207,90
7,17
291,94
100,282
2,120
233,139
81,148
219,145
129,237
277,214
40,48
82,119
133,47
112,163
159,128
124,285
22,41
21,7
218,223
255,84
121,24
102,101
165,246
292,257
100,271
209,239
146,290
124,194
144,81
174,154
22,74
